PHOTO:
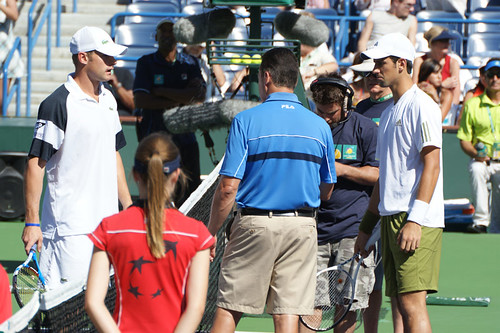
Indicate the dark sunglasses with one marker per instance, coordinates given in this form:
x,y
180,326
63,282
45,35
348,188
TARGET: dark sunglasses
x,y
363,74
492,72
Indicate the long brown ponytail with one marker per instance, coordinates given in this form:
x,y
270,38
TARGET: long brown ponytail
x,y
152,158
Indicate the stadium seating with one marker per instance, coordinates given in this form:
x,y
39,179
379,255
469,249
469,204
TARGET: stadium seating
x,y
483,43
150,7
484,27
475,4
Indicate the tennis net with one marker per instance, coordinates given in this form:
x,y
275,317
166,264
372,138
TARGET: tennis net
x,y
63,310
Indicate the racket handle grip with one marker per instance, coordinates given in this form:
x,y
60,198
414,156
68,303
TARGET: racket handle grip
x,y
375,236
34,247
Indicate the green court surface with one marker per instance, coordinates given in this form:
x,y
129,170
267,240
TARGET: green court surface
x,y
468,268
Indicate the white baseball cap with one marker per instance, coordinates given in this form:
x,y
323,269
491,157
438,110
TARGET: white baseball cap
x,y
393,44
95,39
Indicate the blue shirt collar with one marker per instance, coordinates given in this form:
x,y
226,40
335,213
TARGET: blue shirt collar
x,y
280,96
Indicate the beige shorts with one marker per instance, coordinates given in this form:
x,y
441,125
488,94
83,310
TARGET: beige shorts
x,y
332,254
269,261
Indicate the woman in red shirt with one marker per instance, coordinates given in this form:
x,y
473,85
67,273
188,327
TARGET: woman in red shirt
x,y
160,257
439,43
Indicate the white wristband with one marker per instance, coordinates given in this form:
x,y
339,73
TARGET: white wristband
x,y
418,211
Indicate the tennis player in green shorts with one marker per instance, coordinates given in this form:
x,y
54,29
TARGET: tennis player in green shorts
x,y
408,197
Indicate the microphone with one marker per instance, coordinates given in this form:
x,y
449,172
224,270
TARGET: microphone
x,y
206,116
310,31
196,29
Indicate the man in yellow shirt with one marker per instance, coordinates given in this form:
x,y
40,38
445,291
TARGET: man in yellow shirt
x,y
479,135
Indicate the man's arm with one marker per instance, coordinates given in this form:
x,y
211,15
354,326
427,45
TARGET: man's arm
x,y
123,191
412,31
364,37
325,191
365,175
369,221
144,100
222,204
194,92
410,234
33,186
470,150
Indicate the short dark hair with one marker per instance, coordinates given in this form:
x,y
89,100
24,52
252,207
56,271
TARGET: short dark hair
x,y
409,64
329,93
282,66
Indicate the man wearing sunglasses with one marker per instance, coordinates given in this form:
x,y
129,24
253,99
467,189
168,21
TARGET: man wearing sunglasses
x,y
479,135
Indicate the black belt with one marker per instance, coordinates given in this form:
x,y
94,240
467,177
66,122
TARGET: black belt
x,y
304,212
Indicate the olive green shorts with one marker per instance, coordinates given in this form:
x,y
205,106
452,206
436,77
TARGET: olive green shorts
x,y
413,271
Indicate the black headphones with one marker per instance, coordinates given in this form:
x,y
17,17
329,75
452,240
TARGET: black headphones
x,y
339,83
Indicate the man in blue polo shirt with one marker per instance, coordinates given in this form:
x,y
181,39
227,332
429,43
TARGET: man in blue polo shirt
x,y
163,80
355,138
279,162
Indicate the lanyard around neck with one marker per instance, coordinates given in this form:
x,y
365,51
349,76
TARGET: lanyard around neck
x,y
491,123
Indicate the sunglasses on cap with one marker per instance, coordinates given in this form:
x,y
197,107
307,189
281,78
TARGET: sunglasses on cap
x,y
363,74
495,71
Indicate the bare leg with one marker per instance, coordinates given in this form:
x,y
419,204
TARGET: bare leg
x,y
225,321
348,324
397,319
414,311
284,323
372,312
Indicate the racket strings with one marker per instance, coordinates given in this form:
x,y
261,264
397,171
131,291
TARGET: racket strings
x,y
26,283
333,301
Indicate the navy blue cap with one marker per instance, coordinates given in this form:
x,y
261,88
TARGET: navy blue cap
x,y
446,34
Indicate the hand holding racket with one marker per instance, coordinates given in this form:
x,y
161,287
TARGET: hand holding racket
x,y
335,291
27,279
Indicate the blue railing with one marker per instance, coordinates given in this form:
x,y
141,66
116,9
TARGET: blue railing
x,y
16,86
45,17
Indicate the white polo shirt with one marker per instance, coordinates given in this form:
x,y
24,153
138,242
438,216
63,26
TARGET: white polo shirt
x,y
78,137
413,123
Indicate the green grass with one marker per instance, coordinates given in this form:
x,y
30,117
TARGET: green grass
x,y
469,267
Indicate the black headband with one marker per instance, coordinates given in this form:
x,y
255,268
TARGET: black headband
x,y
168,167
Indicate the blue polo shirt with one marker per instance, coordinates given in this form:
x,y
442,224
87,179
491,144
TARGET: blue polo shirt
x,y
281,151
154,71
355,145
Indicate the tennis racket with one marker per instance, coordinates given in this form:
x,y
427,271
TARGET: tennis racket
x,y
335,287
27,279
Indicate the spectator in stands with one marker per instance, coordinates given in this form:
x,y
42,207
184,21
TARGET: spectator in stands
x,y
160,257
439,42
211,74
372,5
121,84
429,80
8,15
396,19
5,296
479,135
166,79
357,84
317,4
479,88
315,61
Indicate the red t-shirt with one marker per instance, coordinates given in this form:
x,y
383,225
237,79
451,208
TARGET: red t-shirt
x,y
150,291
5,299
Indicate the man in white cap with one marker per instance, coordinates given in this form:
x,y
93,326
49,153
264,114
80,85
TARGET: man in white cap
x,y
76,142
408,197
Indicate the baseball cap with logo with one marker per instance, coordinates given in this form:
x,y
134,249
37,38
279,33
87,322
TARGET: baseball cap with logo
x,y
95,39
393,44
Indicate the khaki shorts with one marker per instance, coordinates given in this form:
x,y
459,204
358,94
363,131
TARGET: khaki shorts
x,y
332,254
269,261
413,271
